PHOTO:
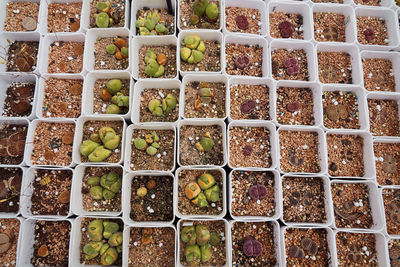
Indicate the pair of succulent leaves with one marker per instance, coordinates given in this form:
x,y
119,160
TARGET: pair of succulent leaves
x,y
13,146
306,245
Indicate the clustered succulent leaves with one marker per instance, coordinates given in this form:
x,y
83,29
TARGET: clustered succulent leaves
x,y
202,8
206,143
154,63
204,95
105,241
104,187
160,108
193,49
119,101
203,191
149,143
106,15
198,243
100,145
119,48
150,24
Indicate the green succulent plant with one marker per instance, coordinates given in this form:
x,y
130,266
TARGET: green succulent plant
x,y
206,180
120,100
107,15
93,181
150,24
206,252
153,69
109,256
215,239
115,239
212,194
188,235
102,20
96,230
87,147
114,86
192,51
113,109
200,200
105,187
149,144
96,192
202,235
192,254
100,149
158,108
109,229
202,8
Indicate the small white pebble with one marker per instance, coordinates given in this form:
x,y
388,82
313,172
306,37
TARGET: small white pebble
x,y
91,129
153,196
64,12
358,221
335,146
213,205
305,146
378,107
158,155
288,187
258,201
261,146
102,63
164,153
70,58
135,243
161,94
364,248
343,162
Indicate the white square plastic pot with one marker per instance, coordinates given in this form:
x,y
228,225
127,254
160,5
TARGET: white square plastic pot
x,y
43,19
293,7
378,141
7,79
346,11
14,214
156,4
277,238
259,5
93,35
45,43
183,222
216,122
322,150
7,38
382,191
204,35
233,81
368,153
85,19
392,26
75,247
383,96
361,104
27,241
78,139
207,78
27,189
142,85
126,241
273,143
246,40
203,216
307,47
19,233
277,197
327,201
88,94
30,139
384,3
3,15
140,41
23,122
330,238
352,50
380,246
392,56
77,200
126,199
317,99
129,145
220,4
41,91
375,203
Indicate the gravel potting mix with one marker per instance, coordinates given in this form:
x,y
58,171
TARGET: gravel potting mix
x,y
161,133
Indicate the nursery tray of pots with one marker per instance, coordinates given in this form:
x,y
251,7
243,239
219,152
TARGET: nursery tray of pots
x,y
97,100
147,90
13,85
156,244
221,248
83,203
47,193
148,199
12,20
12,228
186,208
35,249
146,159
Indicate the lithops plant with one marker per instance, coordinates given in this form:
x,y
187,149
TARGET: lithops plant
x,y
150,24
154,63
206,143
204,95
105,242
163,108
198,243
105,187
99,147
203,191
119,48
202,8
106,15
149,143
193,49
119,102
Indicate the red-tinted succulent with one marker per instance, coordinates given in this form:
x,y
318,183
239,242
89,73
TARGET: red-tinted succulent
x,y
248,106
369,34
252,247
286,29
242,62
293,107
292,66
247,150
242,22
258,191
